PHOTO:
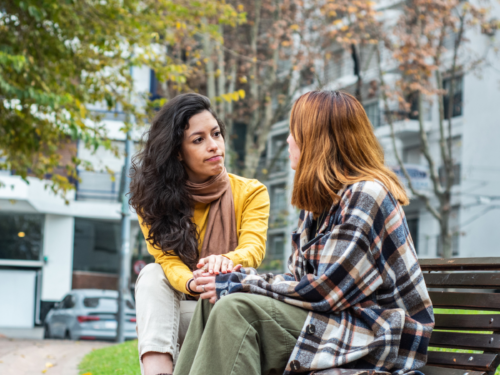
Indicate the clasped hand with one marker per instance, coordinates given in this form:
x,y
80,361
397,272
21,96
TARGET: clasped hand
x,y
204,277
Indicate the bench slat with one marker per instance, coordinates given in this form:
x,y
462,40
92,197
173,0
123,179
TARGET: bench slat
x,y
468,322
476,301
470,341
477,362
434,370
463,280
460,264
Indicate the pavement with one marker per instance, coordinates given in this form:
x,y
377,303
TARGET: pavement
x,y
19,356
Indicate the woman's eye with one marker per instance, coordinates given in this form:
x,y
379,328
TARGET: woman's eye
x,y
198,140
217,134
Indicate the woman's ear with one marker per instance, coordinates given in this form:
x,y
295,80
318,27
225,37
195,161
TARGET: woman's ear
x,y
179,156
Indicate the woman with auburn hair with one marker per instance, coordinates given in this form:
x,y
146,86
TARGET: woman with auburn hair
x,y
193,214
355,297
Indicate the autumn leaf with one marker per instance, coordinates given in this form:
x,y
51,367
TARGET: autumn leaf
x,y
242,94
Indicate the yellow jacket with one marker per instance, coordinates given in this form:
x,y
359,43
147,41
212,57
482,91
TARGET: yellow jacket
x,y
251,205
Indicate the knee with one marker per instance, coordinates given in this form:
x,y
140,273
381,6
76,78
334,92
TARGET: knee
x,y
237,303
151,276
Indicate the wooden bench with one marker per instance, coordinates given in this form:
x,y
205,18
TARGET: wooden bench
x,y
446,280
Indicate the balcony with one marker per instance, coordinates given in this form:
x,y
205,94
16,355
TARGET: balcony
x,y
405,125
98,186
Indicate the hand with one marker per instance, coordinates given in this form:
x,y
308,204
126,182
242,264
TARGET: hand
x,y
206,286
215,264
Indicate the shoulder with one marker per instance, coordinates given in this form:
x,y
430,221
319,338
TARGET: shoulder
x,y
368,194
248,191
245,185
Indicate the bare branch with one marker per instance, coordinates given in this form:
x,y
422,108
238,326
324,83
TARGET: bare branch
x,y
414,191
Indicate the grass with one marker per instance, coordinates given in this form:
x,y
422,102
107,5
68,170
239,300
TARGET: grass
x,y
122,359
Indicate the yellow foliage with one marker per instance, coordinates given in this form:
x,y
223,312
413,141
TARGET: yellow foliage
x,y
337,22
295,27
344,28
243,79
235,96
241,8
242,93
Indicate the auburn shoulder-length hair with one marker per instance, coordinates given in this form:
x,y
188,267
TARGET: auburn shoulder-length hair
x,y
337,147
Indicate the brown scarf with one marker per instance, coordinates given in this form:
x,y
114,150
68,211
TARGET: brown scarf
x,y
220,236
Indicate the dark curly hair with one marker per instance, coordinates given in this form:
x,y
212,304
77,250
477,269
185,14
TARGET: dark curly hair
x,y
157,190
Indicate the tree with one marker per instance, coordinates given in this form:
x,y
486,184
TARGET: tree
x,y
420,45
58,58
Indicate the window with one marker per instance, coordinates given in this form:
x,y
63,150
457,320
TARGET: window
x,y
413,227
96,246
373,113
411,155
457,97
68,302
21,236
278,213
334,66
279,158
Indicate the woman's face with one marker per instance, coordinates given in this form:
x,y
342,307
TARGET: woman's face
x,y
202,149
294,152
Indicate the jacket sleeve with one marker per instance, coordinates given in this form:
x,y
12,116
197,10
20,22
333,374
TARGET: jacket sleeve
x,y
251,247
371,223
175,270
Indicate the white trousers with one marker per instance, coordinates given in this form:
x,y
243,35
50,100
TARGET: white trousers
x,y
163,314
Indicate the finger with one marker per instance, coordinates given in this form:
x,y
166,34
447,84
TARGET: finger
x,y
204,280
197,273
237,268
224,265
202,262
213,300
217,265
211,264
208,295
230,266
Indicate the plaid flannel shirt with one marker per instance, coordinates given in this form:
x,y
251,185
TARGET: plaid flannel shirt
x,y
360,279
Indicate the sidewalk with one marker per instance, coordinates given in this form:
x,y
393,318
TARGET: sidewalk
x,y
35,333
51,357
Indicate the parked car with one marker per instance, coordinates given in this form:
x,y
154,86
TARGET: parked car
x,y
89,314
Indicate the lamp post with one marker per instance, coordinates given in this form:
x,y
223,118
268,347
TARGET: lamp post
x,y
124,277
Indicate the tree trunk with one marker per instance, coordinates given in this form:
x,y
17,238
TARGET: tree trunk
x,y
445,233
207,51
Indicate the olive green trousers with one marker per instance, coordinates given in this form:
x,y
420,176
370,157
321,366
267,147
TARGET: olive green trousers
x,y
242,334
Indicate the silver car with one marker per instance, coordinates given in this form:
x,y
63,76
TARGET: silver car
x,y
89,314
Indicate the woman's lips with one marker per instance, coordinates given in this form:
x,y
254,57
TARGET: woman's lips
x,y
215,158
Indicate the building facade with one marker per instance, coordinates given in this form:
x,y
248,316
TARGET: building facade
x,y
475,214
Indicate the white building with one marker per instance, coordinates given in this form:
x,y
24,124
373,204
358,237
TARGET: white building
x,y
475,215
48,247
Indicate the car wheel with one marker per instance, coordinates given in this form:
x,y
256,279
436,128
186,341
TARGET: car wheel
x,y
67,335
46,332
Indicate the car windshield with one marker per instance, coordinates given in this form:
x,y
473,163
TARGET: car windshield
x,y
105,302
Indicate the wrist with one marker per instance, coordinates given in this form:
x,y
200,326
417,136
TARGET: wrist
x,y
188,287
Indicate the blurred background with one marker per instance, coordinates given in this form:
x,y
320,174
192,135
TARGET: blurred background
x,y
79,78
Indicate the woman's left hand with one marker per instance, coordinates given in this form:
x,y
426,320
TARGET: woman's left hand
x,y
206,286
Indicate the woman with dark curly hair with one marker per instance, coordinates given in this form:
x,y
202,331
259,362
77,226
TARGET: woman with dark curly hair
x,y
196,218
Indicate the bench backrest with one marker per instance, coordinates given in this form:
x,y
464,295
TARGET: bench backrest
x,y
464,284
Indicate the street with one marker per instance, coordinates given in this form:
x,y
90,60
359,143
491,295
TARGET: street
x,y
54,357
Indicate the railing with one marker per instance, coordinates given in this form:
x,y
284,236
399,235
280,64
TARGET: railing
x,y
98,186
